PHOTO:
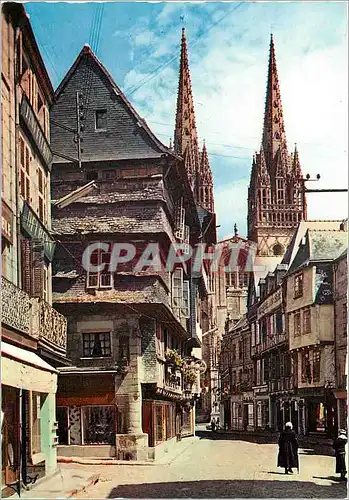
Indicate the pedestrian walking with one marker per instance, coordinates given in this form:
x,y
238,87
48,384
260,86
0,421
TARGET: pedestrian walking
x,y
339,450
218,424
213,424
288,449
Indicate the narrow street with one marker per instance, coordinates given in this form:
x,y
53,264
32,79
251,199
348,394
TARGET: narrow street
x,y
221,468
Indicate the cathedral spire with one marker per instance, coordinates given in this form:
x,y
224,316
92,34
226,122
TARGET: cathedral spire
x,y
274,137
204,182
296,164
185,136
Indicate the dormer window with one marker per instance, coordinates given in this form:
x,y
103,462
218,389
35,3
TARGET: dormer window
x,y
101,119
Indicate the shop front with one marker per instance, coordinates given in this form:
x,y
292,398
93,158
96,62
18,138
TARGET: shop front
x,y
87,414
262,403
166,418
237,421
28,386
248,411
319,415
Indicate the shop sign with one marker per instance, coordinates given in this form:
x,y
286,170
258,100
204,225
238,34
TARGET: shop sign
x,y
270,304
35,229
7,223
27,114
323,284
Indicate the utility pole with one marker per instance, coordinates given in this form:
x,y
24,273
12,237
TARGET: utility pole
x,y
78,139
305,190
79,126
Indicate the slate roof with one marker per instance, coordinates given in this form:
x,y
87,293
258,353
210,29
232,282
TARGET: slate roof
x,y
122,195
319,246
134,138
108,219
299,233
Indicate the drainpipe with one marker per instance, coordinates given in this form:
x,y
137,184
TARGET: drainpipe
x,y
335,266
18,225
23,437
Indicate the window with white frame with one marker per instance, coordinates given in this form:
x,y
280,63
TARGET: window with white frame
x,y
96,345
177,290
103,278
186,299
186,239
179,221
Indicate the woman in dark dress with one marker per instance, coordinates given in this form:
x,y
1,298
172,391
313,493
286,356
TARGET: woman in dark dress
x,y
339,450
288,449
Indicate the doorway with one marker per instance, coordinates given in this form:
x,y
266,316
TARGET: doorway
x,y
10,435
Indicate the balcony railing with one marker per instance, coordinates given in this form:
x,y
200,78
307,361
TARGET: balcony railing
x,y
53,326
282,384
173,382
269,342
15,307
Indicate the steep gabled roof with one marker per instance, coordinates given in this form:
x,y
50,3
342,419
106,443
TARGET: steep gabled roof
x,y
320,246
87,51
300,232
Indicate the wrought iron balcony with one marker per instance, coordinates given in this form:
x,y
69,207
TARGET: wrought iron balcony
x,y
173,382
16,307
52,326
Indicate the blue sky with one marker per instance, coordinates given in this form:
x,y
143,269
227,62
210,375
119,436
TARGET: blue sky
x,y
228,54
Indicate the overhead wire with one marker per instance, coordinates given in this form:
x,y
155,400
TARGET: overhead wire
x,y
133,88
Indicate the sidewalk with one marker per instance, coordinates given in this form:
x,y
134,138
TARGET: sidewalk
x,y
72,477
272,437
168,457
65,483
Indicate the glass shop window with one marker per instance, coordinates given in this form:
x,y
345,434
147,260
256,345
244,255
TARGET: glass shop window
x,y
37,400
99,426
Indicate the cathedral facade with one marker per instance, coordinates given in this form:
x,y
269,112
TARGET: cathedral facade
x,y
276,195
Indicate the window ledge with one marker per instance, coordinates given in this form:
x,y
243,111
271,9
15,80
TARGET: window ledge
x,y
97,357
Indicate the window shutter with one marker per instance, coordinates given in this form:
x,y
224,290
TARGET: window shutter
x,y
26,266
38,268
179,221
186,238
177,290
186,300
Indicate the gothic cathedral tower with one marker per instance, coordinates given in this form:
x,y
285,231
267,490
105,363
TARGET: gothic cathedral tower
x,y
276,203
186,137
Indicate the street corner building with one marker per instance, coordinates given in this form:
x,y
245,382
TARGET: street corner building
x,y
33,334
134,337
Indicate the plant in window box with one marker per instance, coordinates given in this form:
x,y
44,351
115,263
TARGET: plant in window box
x,y
189,377
172,357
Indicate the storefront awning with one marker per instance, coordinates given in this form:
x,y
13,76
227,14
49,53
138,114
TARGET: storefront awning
x,y
26,370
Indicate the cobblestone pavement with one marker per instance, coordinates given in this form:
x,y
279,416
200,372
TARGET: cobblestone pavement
x,y
222,468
